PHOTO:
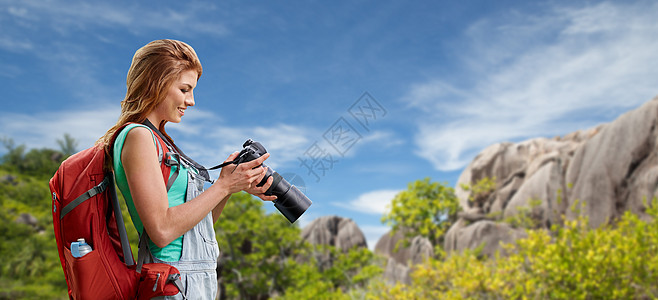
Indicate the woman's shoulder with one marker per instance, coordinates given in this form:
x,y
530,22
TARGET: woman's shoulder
x,y
137,136
138,132
134,130
137,129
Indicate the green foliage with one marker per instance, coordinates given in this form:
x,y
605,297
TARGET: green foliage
x,y
426,208
481,189
525,217
571,262
41,163
308,283
332,274
31,267
256,248
264,255
131,231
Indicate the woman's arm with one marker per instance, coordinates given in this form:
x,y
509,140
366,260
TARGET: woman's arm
x,y
164,223
217,211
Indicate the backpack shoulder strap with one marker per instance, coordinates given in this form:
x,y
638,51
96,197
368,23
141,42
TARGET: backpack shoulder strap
x,y
85,196
165,154
167,157
203,171
109,181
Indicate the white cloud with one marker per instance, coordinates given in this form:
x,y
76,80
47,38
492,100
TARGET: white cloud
x,y
41,130
529,75
15,45
211,140
67,16
24,24
381,139
209,144
374,202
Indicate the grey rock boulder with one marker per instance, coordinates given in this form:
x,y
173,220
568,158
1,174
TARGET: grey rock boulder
x,y
335,231
401,258
598,173
615,170
489,235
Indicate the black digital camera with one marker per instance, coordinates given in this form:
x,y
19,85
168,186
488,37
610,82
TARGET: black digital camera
x,y
290,201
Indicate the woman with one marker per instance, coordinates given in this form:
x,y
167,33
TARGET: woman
x,y
179,220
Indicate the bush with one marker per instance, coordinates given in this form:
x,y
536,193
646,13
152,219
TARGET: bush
x,y
31,267
572,262
426,209
346,275
263,256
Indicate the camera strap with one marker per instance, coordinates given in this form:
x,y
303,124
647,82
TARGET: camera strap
x,y
235,162
202,170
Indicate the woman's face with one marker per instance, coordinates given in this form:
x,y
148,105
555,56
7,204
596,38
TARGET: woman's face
x,y
179,96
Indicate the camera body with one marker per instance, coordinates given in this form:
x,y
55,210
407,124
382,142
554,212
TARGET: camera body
x,y
291,202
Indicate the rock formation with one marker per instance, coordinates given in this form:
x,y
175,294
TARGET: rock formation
x,y
598,173
28,219
339,232
401,260
334,231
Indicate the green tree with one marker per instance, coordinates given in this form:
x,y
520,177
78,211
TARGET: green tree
x,y
38,162
31,267
14,153
257,249
574,261
348,273
263,255
426,208
68,144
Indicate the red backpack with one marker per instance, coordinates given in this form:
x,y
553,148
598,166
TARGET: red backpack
x,y
85,206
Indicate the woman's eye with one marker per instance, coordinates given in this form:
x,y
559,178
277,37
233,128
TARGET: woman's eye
x,y
184,90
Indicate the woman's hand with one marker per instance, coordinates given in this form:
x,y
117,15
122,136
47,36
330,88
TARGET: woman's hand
x,y
245,177
260,191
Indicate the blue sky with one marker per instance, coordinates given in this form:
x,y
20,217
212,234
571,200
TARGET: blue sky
x,y
437,81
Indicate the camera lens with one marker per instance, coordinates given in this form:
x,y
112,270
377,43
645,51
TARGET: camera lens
x,y
293,204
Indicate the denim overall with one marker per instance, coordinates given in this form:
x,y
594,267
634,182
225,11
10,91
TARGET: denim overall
x,y
198,262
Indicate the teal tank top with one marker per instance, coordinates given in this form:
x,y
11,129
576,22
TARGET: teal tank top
x,y
175,195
